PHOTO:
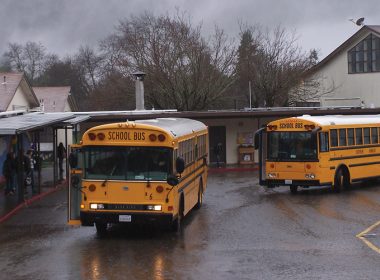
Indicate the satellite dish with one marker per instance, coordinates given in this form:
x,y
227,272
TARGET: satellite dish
x,y
358,22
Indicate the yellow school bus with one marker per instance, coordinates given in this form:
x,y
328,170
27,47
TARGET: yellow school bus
x,y
307,151
146,171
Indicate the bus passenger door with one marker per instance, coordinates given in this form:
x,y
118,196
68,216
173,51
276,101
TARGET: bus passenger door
x,y
261,145
75,185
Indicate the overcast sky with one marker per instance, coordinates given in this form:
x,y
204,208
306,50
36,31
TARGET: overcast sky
x,y
63,25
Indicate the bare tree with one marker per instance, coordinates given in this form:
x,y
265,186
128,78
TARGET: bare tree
x,y
28,58
277,67
184,70
89,64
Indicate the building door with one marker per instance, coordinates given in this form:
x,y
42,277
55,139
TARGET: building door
x,y
217,140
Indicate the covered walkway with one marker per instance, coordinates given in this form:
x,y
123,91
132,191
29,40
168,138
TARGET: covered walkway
x,y
29,126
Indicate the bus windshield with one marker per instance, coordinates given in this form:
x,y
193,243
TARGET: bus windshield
x,y
292,146
127,163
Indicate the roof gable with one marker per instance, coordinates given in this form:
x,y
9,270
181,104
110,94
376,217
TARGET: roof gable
x,y
367,29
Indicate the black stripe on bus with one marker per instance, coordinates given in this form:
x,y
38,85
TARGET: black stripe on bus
x,y
365,178
354,147
351,157
188,183
188,175
362,164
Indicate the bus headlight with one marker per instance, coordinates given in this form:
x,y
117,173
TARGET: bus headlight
x,y
154,207
272,175
96,206
309,176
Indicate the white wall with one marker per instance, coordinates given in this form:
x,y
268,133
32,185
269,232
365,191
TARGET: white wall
x,y
19,100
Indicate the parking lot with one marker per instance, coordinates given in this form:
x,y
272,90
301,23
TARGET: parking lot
x,y
243,231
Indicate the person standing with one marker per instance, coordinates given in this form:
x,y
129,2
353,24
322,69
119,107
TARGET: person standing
x,y
218,152
9,173
29,170
61,154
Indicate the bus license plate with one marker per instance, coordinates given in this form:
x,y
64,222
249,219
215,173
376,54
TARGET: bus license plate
x,y
288,182
125,218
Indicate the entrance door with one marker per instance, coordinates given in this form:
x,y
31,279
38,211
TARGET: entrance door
x,y
217,140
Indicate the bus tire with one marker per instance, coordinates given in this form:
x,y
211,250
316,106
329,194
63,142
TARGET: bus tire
x,y
341,180
200,196
293,189
176,225
101,228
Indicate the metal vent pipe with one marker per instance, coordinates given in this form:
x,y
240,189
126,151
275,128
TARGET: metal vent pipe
x,y
139,90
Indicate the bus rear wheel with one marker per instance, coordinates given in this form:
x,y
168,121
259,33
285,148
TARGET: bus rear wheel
x,y
293,189
341,180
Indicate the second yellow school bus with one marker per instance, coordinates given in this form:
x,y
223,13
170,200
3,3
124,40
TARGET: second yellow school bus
x,y
146,171
333,150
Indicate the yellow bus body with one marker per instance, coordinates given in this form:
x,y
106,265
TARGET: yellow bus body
x,y
350,152
138,199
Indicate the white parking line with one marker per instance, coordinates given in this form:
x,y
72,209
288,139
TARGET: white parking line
x,y
365,233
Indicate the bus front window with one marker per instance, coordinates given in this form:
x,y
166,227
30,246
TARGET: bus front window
x,y
292,146
127,163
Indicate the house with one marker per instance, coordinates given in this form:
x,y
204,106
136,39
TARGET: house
x,y
54,100
351,73
16,93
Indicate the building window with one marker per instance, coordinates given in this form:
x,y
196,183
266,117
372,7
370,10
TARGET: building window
x,y
365,56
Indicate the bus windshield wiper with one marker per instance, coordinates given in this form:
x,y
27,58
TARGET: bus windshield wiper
x,y
109,175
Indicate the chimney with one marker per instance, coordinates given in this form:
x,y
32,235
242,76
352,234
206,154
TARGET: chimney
x,y
5,80
139,90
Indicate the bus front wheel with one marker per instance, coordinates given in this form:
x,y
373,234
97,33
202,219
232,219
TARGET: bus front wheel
x,y
341,180
101,228
293,189
176,225
200,196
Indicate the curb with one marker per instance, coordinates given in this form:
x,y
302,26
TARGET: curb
x,y
28,202
232,169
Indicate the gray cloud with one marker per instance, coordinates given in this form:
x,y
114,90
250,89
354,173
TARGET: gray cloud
x,y
62,26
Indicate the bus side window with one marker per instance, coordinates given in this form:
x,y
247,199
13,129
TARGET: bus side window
x,y
334,137
323,142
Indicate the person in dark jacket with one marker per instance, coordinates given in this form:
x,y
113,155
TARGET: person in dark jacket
x,y
9,170
61,154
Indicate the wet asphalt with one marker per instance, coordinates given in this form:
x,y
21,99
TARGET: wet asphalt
x,y
242,231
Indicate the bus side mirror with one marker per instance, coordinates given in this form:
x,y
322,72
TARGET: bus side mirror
x,y
73,160
172,180
180,165
257,137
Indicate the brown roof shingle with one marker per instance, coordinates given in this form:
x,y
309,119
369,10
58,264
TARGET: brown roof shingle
x,y
54,98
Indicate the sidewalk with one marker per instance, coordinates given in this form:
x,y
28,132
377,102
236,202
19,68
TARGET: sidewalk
x,y
9,204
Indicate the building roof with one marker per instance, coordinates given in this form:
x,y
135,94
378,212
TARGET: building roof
x,y
54,98
365,29
9,83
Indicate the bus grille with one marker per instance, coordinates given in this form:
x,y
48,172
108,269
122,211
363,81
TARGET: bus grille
x,y
124,207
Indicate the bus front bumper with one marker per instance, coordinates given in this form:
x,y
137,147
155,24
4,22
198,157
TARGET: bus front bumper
x,y
301,183
89,218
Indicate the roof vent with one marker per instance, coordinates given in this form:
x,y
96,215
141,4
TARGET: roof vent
x,y
5,80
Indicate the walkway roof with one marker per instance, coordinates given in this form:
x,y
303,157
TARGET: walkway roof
x,y
31,121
